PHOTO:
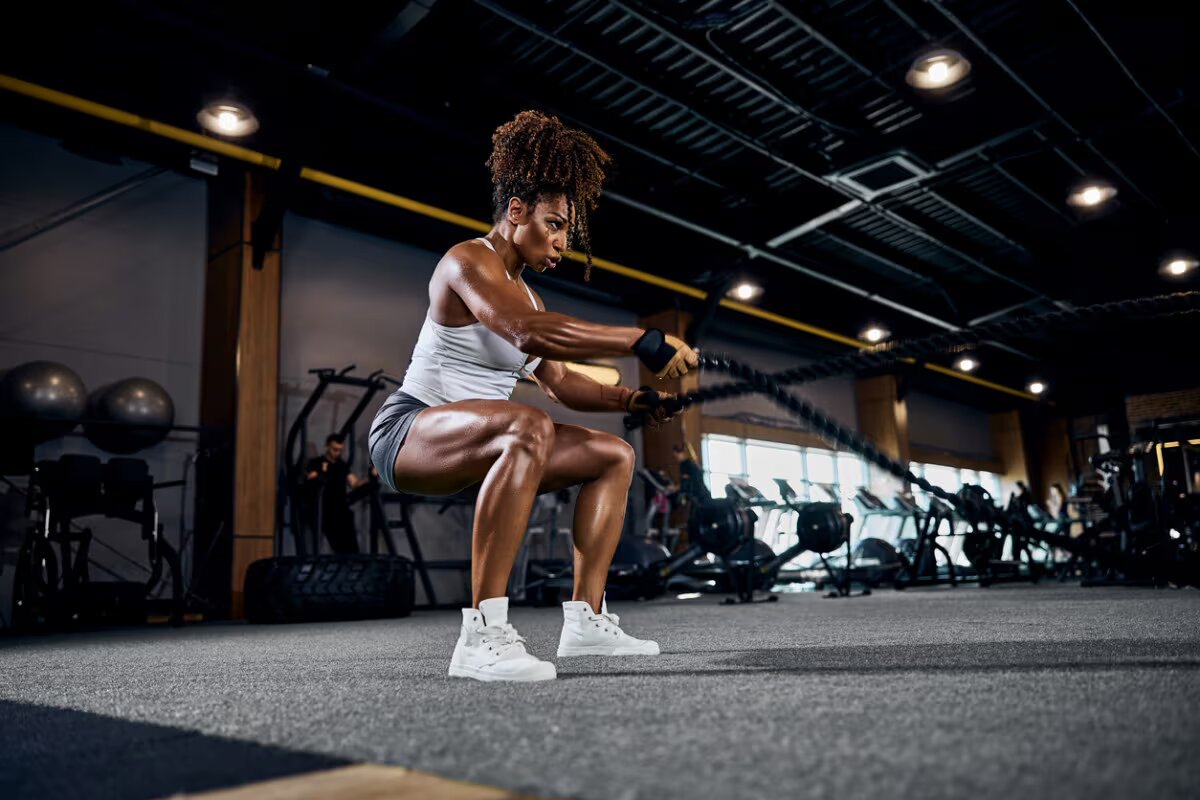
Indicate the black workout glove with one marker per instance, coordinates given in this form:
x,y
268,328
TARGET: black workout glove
x,y
653,406
665,355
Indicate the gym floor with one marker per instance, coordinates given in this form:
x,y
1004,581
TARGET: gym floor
x,y
1051,690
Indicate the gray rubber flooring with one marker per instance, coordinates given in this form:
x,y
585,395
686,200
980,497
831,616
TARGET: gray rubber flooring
x,y
1043,691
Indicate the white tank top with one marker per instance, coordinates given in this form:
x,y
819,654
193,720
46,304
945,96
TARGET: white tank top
x,y
468,362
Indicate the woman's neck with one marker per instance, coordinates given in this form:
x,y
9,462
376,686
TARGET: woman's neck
x,y
501,238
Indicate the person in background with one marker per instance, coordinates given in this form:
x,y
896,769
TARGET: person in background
x,y
692,488
328,479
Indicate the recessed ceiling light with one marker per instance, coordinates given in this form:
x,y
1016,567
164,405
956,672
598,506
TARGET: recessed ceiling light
x,y
1037,387
1092,194
873,334
745,291
227,118
1178,266
938,69
966,364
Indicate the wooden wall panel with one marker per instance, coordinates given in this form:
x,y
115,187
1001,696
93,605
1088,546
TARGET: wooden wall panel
x,y
239,387
883,418
1008,444
657,443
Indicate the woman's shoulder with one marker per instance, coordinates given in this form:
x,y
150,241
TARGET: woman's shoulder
x,y
463,259
470,253
474,247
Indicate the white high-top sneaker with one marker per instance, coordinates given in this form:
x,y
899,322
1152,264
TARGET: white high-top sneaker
x,y
489,649
586,633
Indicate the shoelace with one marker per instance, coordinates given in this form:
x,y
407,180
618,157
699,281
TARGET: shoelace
x,y
502,636
609,619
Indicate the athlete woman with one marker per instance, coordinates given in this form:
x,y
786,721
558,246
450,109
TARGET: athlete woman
x,y
452,423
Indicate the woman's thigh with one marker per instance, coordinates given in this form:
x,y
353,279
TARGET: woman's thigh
x,y
581,455
451,447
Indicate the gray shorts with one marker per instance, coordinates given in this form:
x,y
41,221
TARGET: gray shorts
x,y
388,430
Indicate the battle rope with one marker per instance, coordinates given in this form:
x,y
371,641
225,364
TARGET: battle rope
x,y
973,506
1001,330
820,422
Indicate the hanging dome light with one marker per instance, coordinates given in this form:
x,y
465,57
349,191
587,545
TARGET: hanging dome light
x,y
1178,266
938,69
1091,194
227,118
745,291
874,334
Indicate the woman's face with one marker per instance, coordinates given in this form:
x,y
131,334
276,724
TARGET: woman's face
x,y
541,230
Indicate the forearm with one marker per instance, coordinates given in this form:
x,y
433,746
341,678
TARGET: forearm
x,y
578,392
557,336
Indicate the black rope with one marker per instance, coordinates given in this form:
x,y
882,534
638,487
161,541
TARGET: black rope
x,y
972,506
1001,330
820,422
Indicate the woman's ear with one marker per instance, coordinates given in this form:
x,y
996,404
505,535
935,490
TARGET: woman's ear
x,y
517,211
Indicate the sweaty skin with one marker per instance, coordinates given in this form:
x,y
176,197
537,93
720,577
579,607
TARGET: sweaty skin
x,y
516,451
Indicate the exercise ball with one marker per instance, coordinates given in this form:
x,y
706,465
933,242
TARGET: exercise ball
x,y
128,416
47,390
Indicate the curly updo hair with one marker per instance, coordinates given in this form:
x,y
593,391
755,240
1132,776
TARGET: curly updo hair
x,y
535,156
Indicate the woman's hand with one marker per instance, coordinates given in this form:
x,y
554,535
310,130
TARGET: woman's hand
x,y
659,407
666,355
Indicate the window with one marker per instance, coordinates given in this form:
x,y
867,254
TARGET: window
x,y
724,457
814,474
765,462
945,477
952,479
852,473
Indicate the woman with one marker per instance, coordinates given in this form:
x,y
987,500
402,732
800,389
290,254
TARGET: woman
x,y
451,424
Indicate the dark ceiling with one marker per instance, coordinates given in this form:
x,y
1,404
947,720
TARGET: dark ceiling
x,y
730,122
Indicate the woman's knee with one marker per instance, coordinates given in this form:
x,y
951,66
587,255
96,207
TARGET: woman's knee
x,y
532,430
618,454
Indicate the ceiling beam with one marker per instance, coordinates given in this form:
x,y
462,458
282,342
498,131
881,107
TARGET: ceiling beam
x,y
798,266
758,86
753,144
790,263
1128,74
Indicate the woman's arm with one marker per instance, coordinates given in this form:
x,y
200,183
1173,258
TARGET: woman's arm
x,y
489,294
579,392
492,298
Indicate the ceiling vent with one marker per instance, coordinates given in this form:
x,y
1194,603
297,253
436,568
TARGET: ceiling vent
x,y
881,176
